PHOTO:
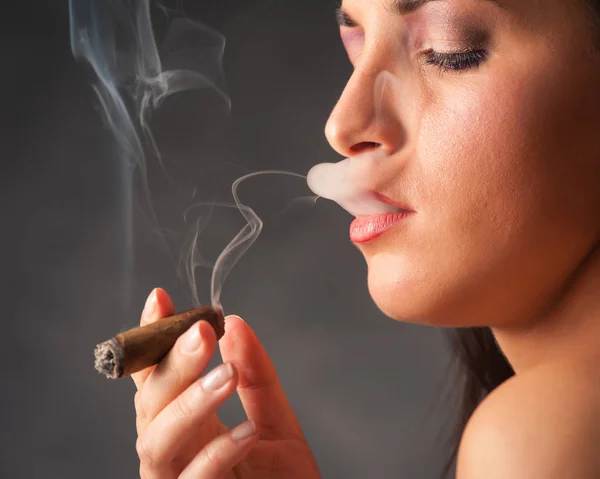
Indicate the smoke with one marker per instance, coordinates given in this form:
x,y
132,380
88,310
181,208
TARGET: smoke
x,y
351,182
354,182
117,39
346,183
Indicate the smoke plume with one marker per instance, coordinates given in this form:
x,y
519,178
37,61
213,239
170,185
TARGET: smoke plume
x,y
118,40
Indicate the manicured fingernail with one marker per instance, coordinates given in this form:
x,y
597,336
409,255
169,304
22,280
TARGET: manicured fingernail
x,y
218,377
191,339
244,431
150,305
234,316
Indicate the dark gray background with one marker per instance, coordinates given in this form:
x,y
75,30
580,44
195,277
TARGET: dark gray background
x,y
371,393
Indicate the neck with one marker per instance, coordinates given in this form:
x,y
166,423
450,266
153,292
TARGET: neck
x,y
570,330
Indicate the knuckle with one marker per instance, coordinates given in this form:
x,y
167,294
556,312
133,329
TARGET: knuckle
x,y
140,410
144,453
276,460
213,457
140,425
144,474
182,408
141,418
172,369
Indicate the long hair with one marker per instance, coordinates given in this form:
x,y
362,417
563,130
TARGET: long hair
x,y
481,367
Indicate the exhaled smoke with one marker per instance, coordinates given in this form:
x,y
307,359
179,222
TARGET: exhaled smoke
x,y
116,37
353,182
346,182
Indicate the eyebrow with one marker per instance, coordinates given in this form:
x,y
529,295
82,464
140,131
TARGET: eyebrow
x,y
399,7
402,7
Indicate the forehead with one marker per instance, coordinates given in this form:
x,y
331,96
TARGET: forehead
x,y
402,7
349,11
530,12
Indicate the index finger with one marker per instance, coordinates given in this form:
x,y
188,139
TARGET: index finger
x,y
259,388
158,305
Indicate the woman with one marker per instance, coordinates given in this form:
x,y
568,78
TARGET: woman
x,y
492,120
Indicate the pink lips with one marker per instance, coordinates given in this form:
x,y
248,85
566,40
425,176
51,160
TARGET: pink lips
x,y
389,201
367,228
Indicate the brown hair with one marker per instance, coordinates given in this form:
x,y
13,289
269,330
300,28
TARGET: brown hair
x,y
481,367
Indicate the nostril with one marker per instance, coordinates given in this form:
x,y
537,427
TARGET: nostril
x,y
364,146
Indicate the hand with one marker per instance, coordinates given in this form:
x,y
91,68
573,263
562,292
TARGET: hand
x,y
179,433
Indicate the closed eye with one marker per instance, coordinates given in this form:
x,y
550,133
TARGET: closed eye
x,y
456,61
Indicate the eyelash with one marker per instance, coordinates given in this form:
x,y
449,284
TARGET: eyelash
x,y
456,61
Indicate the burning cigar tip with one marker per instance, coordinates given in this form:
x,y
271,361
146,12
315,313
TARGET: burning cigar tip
x,y
109,356
144,346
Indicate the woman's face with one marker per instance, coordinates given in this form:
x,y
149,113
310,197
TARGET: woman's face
x,y
490,116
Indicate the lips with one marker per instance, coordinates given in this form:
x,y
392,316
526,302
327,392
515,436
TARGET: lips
x,y
384,199
368,227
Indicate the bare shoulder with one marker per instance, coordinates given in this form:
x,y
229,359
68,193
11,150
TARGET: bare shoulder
x,y
544,424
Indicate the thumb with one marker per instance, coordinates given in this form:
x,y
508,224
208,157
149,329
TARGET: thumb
x,y
259,388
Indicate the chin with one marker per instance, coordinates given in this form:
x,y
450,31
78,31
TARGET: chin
x,y
401,294
393,290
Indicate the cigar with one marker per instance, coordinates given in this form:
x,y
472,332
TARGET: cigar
x,y
141,347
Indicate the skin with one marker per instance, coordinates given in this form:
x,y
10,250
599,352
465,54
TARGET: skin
x,y
543,423
500,164
179,433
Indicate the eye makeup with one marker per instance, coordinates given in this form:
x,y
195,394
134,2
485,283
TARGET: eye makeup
x,y
456,61
439,33
449,38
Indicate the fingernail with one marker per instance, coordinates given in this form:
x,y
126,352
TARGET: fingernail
x,y
244,431
218,377
234,316
191,339
150,305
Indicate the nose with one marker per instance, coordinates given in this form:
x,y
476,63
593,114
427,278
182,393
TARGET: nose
x,y
365,118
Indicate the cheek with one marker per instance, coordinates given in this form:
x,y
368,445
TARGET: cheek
x,y
466,179
472,154
504,212
515,149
